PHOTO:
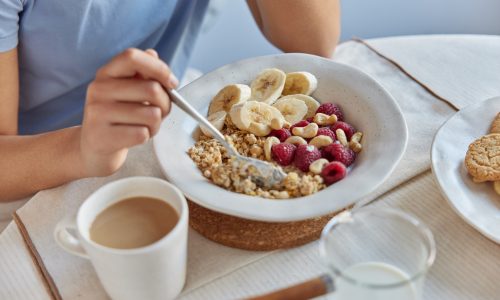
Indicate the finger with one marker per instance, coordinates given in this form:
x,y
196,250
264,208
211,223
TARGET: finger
x,y
125,136
136,114
152,52
130,90
133,61
120,113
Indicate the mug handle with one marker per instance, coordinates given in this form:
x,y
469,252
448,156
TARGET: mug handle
x,y
68,241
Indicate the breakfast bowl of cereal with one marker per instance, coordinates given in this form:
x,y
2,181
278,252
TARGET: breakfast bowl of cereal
x,y
333,131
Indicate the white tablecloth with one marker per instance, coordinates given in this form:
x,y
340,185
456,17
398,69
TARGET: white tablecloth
x,y
459,68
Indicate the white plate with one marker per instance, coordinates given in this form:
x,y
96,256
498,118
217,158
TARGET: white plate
x,y
476,203
366,104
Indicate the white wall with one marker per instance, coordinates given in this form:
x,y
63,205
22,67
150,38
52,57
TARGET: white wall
x,y
233,35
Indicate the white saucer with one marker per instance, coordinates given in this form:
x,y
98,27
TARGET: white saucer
x,y
476,203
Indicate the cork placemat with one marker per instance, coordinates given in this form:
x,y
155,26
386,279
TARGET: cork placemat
x,y
254,235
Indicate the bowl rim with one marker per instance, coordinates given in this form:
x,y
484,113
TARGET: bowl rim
x,y
298,214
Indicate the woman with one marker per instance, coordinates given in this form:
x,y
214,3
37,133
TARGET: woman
x,y
73,80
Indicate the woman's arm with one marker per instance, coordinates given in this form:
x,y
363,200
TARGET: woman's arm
x,y
9,92
115,119
309,26
30,163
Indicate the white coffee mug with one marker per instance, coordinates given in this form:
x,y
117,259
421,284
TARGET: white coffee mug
x,y
156,271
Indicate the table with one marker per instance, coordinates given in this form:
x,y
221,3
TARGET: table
x,y
443,72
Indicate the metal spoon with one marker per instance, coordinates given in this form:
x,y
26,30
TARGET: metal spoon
x,y
266,175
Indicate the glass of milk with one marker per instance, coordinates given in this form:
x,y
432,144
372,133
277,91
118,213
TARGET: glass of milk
x,y
377,253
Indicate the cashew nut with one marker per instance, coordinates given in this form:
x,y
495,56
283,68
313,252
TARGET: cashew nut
x,y
308,131
324,119
357,137
255,150
341,137
355,146
268,144
296,140
317,166
321,141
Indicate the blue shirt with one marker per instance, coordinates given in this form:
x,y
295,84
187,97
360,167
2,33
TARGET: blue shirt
x,y
62,43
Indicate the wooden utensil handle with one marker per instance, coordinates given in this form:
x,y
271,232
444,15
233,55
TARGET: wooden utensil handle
x,y
305,290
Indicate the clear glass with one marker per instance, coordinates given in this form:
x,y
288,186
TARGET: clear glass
x,y
377,253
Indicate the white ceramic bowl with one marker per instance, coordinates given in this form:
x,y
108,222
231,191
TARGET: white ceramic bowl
x,y
366,105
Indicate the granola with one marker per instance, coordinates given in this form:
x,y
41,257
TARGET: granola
x,y
211,158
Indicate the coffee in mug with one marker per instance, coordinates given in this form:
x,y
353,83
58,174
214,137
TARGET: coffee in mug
x,y
133,222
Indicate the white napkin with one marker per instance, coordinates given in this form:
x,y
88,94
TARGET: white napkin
x,y
451,65
6,210
423,112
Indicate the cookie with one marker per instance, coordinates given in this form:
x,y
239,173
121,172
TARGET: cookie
x,y
495,128
475,180
483,158
495,125
496,187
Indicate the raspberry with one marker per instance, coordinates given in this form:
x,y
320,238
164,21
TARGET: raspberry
x,y
325,154
337,152
282,134
302,123
348,129
283,153
333,172
331,109
310,119
305,155
326,131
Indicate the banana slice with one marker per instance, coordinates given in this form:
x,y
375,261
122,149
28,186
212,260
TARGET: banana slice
x,y
259,129
217,119
312,104
227,97
255,117
268,85
292,109
300,83
235,114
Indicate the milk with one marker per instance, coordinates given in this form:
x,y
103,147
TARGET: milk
x,y
374,273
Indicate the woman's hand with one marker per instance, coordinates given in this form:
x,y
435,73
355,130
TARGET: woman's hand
x,y
124,107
